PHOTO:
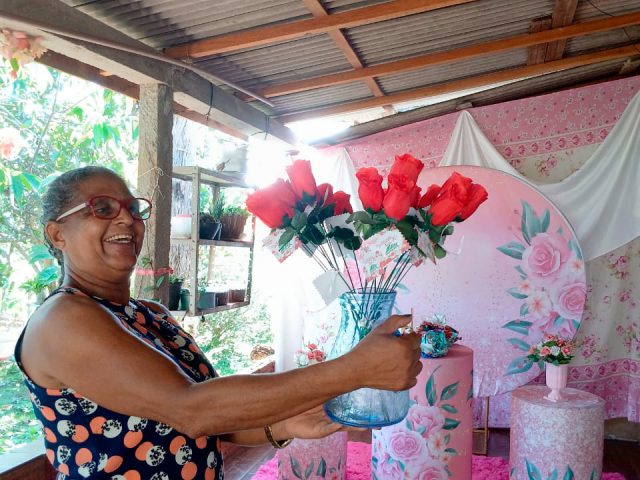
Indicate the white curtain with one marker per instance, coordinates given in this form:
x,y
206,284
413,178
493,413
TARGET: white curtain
x,y
601,200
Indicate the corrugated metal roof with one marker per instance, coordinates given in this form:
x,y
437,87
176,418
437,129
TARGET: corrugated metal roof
x,y
165,23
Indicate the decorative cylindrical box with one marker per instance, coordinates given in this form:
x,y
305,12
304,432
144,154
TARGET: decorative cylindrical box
x,y
435,439
565,437
325,458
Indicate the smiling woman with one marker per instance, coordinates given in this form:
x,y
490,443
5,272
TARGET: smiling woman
x,y
122,391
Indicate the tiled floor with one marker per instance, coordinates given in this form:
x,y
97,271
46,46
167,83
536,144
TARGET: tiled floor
x,y
245,461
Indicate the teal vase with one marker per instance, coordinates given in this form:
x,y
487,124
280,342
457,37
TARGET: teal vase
x,y
365,407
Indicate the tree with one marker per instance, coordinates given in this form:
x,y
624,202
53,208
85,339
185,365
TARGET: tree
x,y
46,128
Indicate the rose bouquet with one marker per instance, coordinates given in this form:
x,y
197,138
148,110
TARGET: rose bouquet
x,y
373,249
552,349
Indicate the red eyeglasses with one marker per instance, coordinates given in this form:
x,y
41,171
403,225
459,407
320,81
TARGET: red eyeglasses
x,y
108,208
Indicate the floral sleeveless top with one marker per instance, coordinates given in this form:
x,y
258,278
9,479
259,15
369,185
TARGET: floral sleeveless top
x,y
86,440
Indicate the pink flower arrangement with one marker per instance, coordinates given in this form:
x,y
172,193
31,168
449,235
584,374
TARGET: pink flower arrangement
x,y
309,355
552,349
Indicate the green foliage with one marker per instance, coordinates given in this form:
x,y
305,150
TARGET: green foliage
x,y
59,131
226,337
18,425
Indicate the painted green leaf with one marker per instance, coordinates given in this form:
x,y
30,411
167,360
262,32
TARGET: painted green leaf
x,y
309,470
430,388
515,293
447,438
449,408
530,224
593,475
575,248
544,221
516,342
512,249
449,391
519,365
532,471
524,309
553,475
452,451
450,423
295,467
286,237
519,269
518,326
568,475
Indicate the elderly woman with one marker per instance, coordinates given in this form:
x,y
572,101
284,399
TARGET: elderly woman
x,y
124,393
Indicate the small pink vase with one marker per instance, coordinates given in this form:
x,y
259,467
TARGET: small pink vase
x,y
556,378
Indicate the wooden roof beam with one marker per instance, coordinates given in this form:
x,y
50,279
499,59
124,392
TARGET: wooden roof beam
x,y
536,53
338,37
302,28
471,51
563,14
484,80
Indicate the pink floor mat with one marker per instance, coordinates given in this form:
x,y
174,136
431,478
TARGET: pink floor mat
x,y
359,466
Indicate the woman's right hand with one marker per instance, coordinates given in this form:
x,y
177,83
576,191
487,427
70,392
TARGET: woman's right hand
x,y
385,361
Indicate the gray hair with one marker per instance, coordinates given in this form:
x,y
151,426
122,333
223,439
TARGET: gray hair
x,y
57,197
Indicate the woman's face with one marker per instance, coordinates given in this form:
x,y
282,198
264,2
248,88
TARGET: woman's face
x,y
105,248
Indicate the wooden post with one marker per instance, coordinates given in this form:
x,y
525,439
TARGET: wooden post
x,y
154,182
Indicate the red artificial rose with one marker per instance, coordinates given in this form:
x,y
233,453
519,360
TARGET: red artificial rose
x,y
342,204
429,196
415,196
273,203
444,210
370,189
398,181
458,194
396,203
408,165
325,190
302,179
477,195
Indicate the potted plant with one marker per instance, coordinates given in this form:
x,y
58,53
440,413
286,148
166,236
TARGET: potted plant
x,y
175,285
208,226
233,219
216,209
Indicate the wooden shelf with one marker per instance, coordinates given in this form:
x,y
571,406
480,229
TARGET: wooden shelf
x,y
217,243
229,306
211,177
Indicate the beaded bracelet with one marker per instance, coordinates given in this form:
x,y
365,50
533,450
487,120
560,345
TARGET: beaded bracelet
x,y
277,444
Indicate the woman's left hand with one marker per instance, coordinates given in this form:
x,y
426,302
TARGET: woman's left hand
x,y
313,423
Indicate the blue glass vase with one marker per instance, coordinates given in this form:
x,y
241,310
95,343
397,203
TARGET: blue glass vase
x,y
365,407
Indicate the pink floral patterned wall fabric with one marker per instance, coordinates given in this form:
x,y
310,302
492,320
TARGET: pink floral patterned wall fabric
x,y
546,138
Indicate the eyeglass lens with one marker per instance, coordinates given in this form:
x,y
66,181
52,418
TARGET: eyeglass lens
x,y
108,208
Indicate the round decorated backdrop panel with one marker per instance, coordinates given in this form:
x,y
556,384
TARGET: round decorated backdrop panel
x,y
514,271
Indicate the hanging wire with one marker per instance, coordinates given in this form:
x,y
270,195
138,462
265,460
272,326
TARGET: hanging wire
x,y
623,28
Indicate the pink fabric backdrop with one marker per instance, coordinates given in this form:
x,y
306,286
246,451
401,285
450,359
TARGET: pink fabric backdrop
x,y
546,138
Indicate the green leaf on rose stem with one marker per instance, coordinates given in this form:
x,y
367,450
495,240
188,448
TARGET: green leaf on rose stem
x,y
532,471
361,217
439,252
524,224
299,221
295,467
408,232
430,388
312,234
568,474
518,326
519,365
521,272
516,342
353,243
451,423
544,221
449,391
309,470
516,294
286,237
524,309
512,249
449,408
322,468
553,475
448,230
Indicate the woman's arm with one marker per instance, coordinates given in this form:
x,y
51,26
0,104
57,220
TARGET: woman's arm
x,y
74,342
